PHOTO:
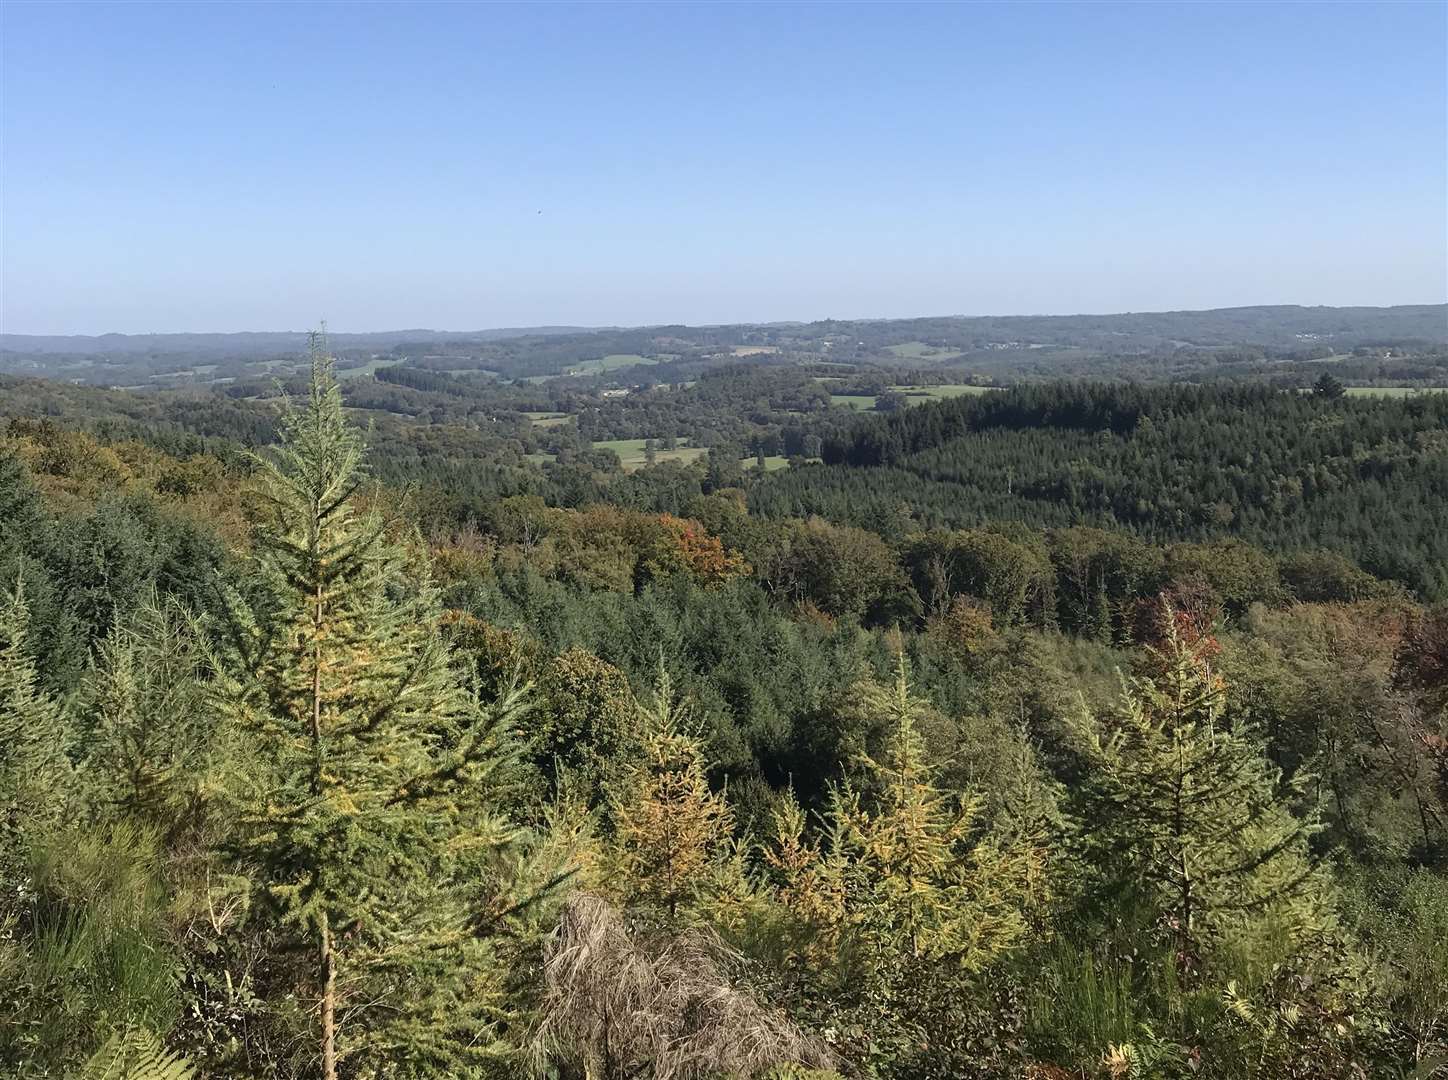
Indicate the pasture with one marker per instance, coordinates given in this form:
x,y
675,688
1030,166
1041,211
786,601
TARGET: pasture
x,y
919,350
632,455
612,362
939,393
1394,391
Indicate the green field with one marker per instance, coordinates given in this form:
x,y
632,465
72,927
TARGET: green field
x,y
612,362
366,369
770,463
918,395
937,393
1394,391
200,371
547,419
918,350
631,452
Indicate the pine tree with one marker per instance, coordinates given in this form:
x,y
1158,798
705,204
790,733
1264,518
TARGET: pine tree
x,y
671,831
370,796
1182,809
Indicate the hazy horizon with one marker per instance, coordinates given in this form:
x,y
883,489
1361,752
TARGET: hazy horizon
x,y
219,168
403,328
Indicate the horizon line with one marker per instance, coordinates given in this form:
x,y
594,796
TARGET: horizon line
x,y
563,327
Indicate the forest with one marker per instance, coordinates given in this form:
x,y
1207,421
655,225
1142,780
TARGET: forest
x,y
390,726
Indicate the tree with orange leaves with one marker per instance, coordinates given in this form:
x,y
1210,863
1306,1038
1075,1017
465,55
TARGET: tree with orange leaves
x,y
700,553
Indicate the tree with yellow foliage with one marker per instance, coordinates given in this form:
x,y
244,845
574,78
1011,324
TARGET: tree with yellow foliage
x,y
906,893
671,831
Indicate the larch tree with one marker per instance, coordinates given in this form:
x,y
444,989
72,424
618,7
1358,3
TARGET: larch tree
x,y
922,878
906,896
371,792
1182,810
671,832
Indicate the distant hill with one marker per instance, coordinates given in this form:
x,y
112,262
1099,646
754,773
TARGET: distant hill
x,y
1281,325
251,343
1168,345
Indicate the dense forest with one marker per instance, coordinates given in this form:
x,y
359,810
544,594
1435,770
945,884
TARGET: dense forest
x,y
383,727
1367,477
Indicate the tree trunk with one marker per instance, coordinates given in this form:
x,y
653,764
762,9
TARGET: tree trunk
x,y
1186,958
329,956
329,1004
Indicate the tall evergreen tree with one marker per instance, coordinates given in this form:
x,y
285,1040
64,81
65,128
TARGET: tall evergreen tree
x,y
371,796
1182,810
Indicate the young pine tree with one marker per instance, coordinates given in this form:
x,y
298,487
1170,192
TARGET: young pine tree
x,y
903,902
370,795
920,880
671,832
1183,812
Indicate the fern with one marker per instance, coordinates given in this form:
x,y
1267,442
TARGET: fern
x,y
136,1054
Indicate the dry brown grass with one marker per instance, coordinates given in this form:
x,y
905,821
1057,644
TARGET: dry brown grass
x,y
622,1003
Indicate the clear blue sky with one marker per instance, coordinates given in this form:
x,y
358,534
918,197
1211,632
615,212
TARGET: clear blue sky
x,y
255,166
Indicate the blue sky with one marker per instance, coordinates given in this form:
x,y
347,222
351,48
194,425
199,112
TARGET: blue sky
x,y
264,166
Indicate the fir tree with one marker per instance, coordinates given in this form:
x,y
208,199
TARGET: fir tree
x,y
370,798
1182,809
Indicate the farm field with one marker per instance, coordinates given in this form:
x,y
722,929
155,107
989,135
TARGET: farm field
x,y
547,419
918,350
1394,391
917,395
365,369
631,452
612,362
947,390
771,463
